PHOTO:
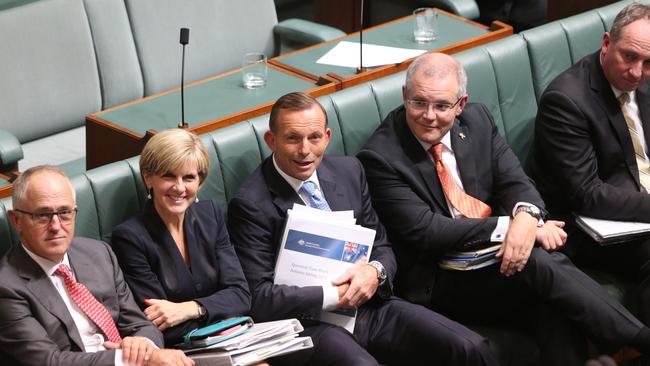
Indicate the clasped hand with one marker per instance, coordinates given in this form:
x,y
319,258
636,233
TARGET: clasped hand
x,y
357,284
140,351
165,314
521,237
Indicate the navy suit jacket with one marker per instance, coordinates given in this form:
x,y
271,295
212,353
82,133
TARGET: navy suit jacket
x,y
408,197
584,160
36,327
256,218
154,267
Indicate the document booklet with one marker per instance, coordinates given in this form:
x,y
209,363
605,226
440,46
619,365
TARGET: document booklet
x,y
470,260
259,342
216,332
606,232
317,247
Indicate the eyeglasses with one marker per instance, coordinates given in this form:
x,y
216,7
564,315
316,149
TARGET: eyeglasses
x,y
45,218
422,106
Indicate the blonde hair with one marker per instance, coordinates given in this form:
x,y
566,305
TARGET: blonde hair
x,y
172,149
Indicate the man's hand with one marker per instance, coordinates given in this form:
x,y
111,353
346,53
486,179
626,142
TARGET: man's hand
x,y
551,236
165,314
168,357
517,244
135,350
361,281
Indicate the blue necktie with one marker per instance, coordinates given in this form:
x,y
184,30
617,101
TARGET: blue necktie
x,y
316,199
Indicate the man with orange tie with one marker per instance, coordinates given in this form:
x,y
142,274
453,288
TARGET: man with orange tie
x,y
63,300
442,179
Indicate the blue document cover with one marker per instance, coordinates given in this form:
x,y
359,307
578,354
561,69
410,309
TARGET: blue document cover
x,y
325,247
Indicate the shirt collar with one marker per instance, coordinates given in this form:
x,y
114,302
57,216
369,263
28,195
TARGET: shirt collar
x,y
293,182
47,265
617,93
445,141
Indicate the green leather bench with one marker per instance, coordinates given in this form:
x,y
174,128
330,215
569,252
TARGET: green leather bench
x,y
506,75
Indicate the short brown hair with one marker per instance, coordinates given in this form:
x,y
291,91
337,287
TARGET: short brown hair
x,y
627,15
296,101
169,150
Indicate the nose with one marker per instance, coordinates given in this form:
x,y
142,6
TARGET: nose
x,y
179,185
429,113
636,70
55,223
304,149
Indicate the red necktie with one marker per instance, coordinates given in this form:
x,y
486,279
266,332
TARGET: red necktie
x,y
464,203
88,304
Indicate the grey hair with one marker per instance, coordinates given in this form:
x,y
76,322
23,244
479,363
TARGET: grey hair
x,y
438,71
20,185
627,15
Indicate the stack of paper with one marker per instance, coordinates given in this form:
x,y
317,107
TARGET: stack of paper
x,y
348,54
317,247
261,341
465,261
607,232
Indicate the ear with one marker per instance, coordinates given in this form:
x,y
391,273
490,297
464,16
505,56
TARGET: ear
x,y
461,105
269,138
14,220
147,181
404,95
605,43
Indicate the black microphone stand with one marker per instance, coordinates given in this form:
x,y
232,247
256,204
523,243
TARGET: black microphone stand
x,y
185,38
361,69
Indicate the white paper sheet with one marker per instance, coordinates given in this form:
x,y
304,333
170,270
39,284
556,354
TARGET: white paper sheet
x,y
347,54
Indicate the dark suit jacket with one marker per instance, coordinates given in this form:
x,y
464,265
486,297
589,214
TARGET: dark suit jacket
x,y
256,218
154,267
584,159
35,325
408,197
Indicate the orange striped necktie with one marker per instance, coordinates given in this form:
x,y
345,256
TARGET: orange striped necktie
x,y
464,203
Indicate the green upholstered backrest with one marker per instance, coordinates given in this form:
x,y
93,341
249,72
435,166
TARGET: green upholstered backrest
x,y
608,13
116,195
584,33
7,234
516,97
481,82
87,221
549,54
238,154
358,115
213,186
388,92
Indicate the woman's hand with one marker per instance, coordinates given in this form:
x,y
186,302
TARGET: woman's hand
x,y
166,314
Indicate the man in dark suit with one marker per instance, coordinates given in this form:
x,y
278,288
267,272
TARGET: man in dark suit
x,y
388,330
585,155
63,301
442,179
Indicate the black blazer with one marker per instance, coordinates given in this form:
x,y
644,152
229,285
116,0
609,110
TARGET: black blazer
x,y
408,197
256,218
36,327
584,159
154,267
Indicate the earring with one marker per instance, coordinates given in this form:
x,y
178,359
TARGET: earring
x,y
196,199
149,190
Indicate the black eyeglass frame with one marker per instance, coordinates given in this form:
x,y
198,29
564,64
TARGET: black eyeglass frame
x,y
435,106
36,216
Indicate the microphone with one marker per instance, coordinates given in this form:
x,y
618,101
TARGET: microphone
x,y
361,69
185,39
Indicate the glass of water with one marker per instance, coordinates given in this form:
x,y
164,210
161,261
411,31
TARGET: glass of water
x,y
425,25
254,70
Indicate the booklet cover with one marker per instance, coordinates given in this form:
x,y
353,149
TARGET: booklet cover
x,y
316,249
606,232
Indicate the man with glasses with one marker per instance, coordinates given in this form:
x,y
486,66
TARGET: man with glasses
x,y
442,179
63,300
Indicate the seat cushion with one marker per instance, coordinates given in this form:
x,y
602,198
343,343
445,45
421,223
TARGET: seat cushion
x,y
221,31
57,149
48,69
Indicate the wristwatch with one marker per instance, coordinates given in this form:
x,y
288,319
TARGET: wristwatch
x,y
202,312
381,272
533,211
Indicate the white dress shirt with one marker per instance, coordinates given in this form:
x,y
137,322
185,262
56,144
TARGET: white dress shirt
x,y
330,293
92,339
633,111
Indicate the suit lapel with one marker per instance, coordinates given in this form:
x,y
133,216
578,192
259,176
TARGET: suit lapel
x,y
600,85
423,164
283,195
465,161
336,198
43,290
